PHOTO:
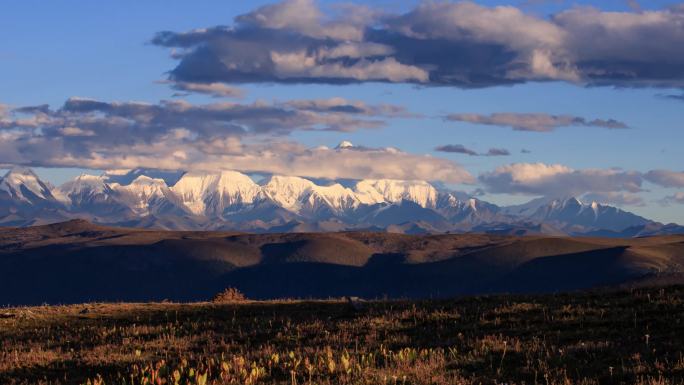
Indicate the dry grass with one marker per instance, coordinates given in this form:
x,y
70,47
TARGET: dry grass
x,y
632,337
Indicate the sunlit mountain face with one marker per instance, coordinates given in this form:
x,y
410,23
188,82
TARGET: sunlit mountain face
x,y
230,200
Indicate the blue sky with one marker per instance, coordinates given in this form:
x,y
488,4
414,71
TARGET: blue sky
x,y
104,51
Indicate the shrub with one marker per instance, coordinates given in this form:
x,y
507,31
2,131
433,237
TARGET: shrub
x,y
229,295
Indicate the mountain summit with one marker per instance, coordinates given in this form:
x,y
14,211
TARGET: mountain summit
x,y
23,184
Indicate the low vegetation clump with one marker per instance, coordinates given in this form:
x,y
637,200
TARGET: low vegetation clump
x,y
229,295
631,337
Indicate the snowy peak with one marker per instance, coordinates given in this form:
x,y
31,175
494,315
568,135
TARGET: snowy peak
x,y
143,194
570,203
373,191
144,182
572,213
20,172
81,188
468,210
293,184
83,183
215,191
23,184
301,195
145,189
224,181
541,205
344,144
335,196
568,206
93,197
526,210
287,191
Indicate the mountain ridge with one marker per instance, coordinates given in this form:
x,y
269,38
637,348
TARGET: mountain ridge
x,y
230,200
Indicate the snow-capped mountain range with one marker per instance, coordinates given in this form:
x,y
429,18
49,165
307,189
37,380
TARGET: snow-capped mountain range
x,y
230,200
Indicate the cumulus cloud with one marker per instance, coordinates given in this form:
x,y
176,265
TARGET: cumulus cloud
x,y
535,122
304,17
456,149
676,198
558,180
436,43
461,149
75,131
291,41
342,105
626,48
665,178
615,198
179,135
216,90
497,152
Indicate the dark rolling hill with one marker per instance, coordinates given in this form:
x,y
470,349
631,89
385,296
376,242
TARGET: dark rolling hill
x,y
77,261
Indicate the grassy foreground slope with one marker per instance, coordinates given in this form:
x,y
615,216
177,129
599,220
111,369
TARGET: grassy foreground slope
x,y
633,337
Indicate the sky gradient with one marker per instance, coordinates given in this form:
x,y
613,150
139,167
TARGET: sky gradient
x,y
505,100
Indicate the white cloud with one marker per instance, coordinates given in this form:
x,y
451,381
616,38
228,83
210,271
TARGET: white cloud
x,y
218,136
436,43
615,198
461,149
303,65
676,198
217,90
538,122
338,104
558,180
534,40
75,131
303,16
456,149
665,178
285,158
355,50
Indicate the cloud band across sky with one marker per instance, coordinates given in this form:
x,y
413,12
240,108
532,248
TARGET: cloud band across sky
x,y
537,122
615,185
294,41
461,149
180,135
251,138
